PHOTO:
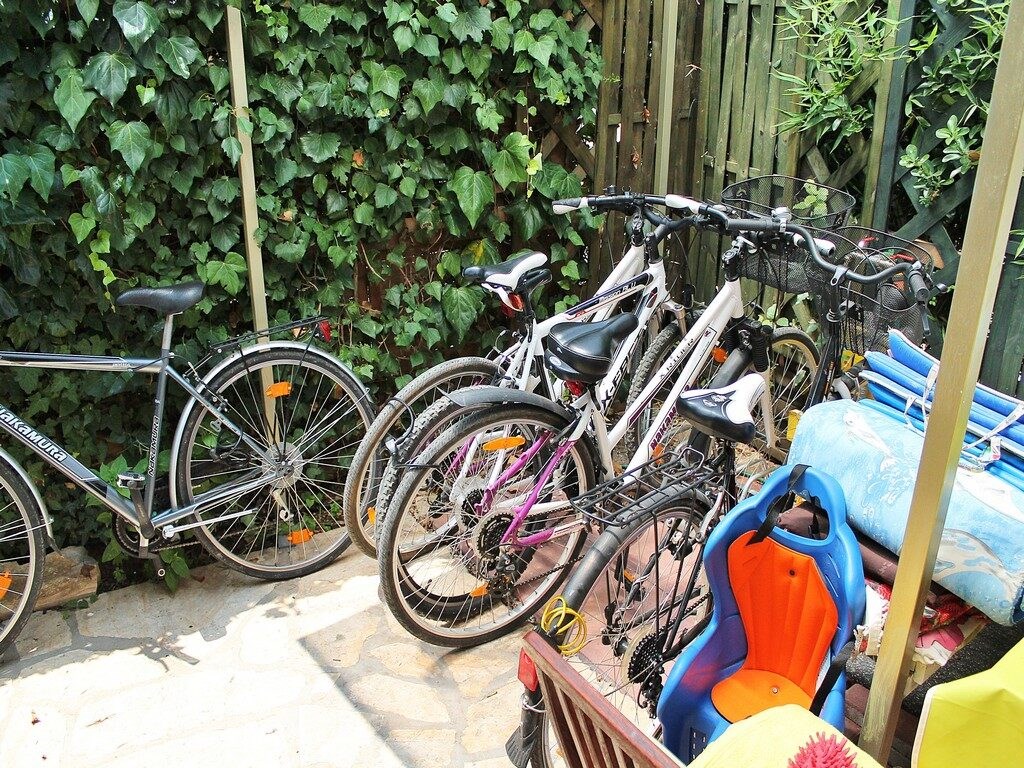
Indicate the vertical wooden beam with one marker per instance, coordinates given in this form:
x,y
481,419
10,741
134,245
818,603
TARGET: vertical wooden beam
x,y
988,226
892,78
246,170
666,89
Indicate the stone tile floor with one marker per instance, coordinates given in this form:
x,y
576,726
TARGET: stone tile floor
x,y
235,672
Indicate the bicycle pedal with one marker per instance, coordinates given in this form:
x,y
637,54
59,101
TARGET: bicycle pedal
x,y
131,481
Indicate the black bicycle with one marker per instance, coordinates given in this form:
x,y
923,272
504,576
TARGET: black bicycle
x,y
258,459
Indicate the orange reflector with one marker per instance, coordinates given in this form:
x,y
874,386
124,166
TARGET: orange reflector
x,y
628,575
371,515
718,354
300,536
5,583
504,443
279,389
659,451
479,591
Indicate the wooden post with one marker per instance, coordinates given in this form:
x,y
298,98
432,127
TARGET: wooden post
x,y
666,87
988,225
246,171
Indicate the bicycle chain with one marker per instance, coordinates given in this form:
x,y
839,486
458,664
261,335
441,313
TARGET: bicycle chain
x,y
123,536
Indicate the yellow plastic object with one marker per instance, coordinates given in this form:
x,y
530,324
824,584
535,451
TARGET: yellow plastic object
x,y
559,618
279,389
300,536
848,359
5,583
504,443
792,421
480,591
371,515
975,721
776,737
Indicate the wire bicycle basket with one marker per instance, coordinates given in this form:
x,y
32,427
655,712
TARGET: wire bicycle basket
x,y
778,265
644,489
871,310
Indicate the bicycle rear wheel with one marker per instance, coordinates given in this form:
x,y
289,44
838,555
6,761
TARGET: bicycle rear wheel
x,y
360,504
642,595
446,573
22,549
307,414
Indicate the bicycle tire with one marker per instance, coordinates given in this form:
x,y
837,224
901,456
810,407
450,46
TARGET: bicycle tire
x,y
611,588
364,482
432,598
20,513
285,535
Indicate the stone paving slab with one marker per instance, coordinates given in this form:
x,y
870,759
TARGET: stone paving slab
x,y
235,672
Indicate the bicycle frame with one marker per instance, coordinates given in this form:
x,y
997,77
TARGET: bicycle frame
x,y
61,459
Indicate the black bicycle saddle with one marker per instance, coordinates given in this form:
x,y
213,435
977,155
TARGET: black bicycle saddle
x,y
584,351
170,299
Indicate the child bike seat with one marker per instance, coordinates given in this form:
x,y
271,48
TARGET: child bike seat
x,y
170,299
584,351
509,273
724,412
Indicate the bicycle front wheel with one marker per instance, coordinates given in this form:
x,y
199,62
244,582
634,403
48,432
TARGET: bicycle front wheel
x,y
793,362
22,549
449,573
360,503
305,413
642,596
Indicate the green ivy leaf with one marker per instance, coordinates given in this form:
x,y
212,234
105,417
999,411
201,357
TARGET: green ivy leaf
x,y
81,226
474,191
225,189
386,80
460,306
426,45
383,196
141,212
319,147
317,17
71,98
448,13
364,214
13,175
285,169
369,326
507,169
501,33
232,148
87,9
109,74
138,21
405,38
477,58
219,77
131,140
227,273
429,93
541,50
179,52
40,161
471,25
488,117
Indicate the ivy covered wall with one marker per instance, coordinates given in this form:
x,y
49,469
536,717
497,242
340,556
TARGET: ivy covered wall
x,y
388,155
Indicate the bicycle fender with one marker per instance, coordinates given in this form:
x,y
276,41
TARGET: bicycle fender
x,y
482,396
20,471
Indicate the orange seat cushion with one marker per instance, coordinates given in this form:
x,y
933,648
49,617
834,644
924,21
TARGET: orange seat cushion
x,y
749,691
789,619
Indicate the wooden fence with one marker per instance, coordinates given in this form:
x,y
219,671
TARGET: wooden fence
x,y
727,105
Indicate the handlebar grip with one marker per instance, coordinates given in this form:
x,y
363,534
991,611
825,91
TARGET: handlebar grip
x,y
919,286
825,247
570,204
752,225
683,203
